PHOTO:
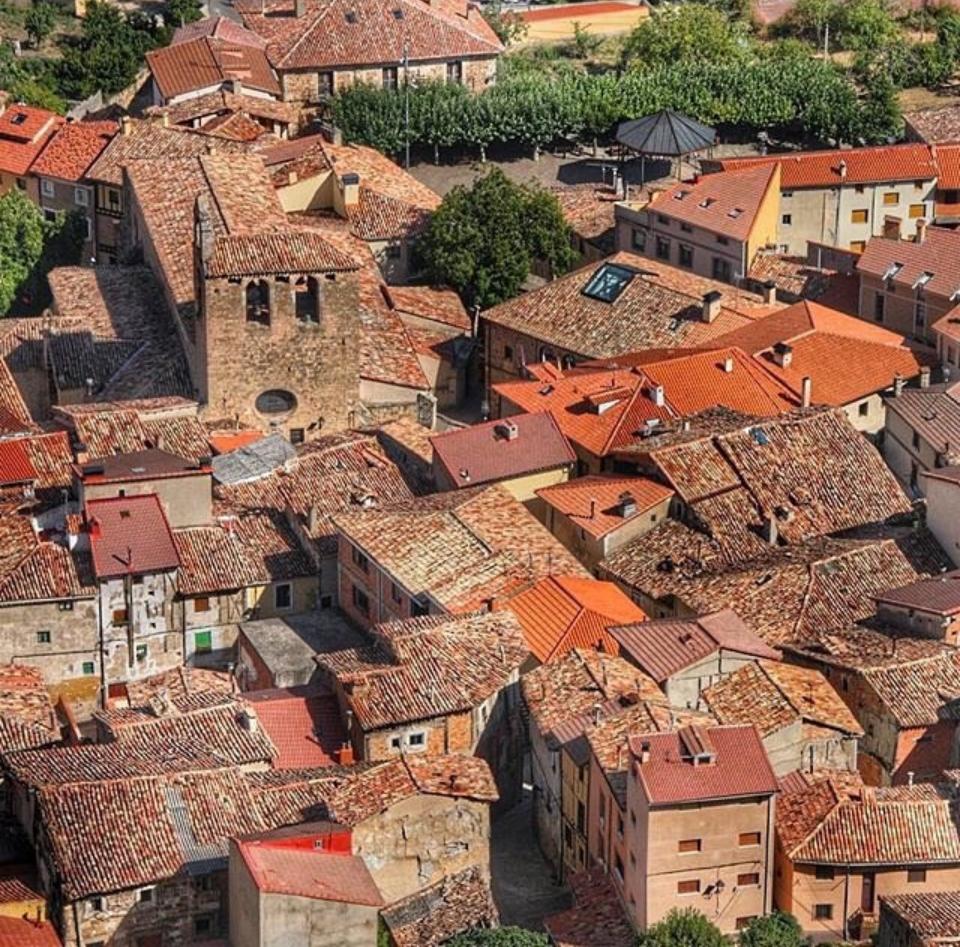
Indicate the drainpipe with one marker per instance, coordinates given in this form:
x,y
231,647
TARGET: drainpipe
x,y
846,900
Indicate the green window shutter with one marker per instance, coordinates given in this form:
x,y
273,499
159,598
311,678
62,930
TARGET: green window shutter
x,y
203,641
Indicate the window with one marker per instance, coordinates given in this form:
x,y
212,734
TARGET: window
x,y
823,912
749,879
418,609
686,228
43,637
258,302
49,215
721,269
306,295
687,845
359,559
879,307
202,926
396,743
113,199
786,220
861,216
21,184
824,873
891,198
119,616
146,895
916,441
395,593
917,875
686,257
141,652
857,246
748,838
723,241
917,210
95,905
455,73
390,77
639,239
203,642
88,668
743,922
691,886
201,604
863,409
508,353
417,739
360,601
608,282
283,595
46,188
275,401
663,248
297,435
325,83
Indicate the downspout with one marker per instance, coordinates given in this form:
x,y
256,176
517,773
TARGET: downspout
x,y
103,650
769,867
846,899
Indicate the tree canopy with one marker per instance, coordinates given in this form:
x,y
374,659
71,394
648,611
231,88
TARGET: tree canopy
x,y
39,21
500,937
686,928
773,930
687,33
483,241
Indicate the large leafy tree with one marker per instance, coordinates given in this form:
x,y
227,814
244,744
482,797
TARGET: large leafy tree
x,y
689,32
39,21
686,928
500,937
483,240
21,244
773,930
178,12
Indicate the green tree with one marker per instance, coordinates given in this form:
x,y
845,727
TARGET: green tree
x,y
178,12
500,937
509,27
482,241
21,244
865,25
809,19
773,930
690,32
686,928
39,21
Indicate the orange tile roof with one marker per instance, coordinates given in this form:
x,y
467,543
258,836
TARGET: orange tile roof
x,y
73,148
845,357
907,261
222,442
947,158
24,130
725,203
561,613
606,410
909,162
593,503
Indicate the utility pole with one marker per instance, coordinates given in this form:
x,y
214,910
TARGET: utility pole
x,y
406,103
826,41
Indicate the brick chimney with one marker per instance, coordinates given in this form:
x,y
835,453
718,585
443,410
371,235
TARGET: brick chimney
x,y
924,376
921,229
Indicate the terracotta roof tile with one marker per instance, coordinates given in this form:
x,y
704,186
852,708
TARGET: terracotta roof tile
x,y
24,130
939,594
934,413
194,64
72,149
130,536
937,260
20,932
934,125
226,103
597,918
220,27
930,915
429,302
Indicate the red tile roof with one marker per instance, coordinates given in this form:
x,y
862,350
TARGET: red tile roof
x,y
130,536
907,261
429,302
910,162
561,613
15,464
939,594
726,203
594,503
20,932
499,450
597,918
73,148
325,37
304,725
738,767
24,130
663,647
196,64
309,873
219,27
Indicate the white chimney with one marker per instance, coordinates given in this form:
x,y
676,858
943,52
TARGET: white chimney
x,y
921,229
783,354
657,395
728,364
806,391
711,305
769,292
248,719
925,376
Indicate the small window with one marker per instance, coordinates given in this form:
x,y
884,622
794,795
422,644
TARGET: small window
x,y
43,637
141,652
786,220
396,743
417,739
283,595
663,220
748,838
917,875
359,559
508,353
257,296
857,246
685,258
325,83
824,873
201,604
418,609
861,216
113,198
690,886
663,248
638,239
297,435
748,879
89,668
721,269
686,228
306,298
49,215
890,198
455,73
361,601
46,188
823,912
687,845
21,184
608,282
146,895
275,401
203,642
917,210
723,241
390,77
395,594
202,926
95,905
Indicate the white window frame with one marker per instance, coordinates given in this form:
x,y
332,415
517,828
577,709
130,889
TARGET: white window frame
x,y
47,187
81,197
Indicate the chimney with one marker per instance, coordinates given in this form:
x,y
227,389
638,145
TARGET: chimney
x,y
350,187
508,430
300,8
769,292
313,518
783,354
165,119
593,509
899,383
925,376
628,505
644,752
596,715
657,395
910,777
711,305
806,391
235,85
728,365
771,532
126,125
248,719
921,229
842,168
345,755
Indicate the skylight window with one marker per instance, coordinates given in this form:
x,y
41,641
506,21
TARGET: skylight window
x,y
350,16
19,118
708,202
608,282
735,213
398,13
680,195
892,270
922,280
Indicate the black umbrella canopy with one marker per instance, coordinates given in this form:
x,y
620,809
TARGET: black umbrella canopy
x,y
665,134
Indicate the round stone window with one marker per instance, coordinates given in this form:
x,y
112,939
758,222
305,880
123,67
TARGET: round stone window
x,y
276,401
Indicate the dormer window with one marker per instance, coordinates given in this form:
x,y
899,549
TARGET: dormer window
x,y
892,271
922,281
